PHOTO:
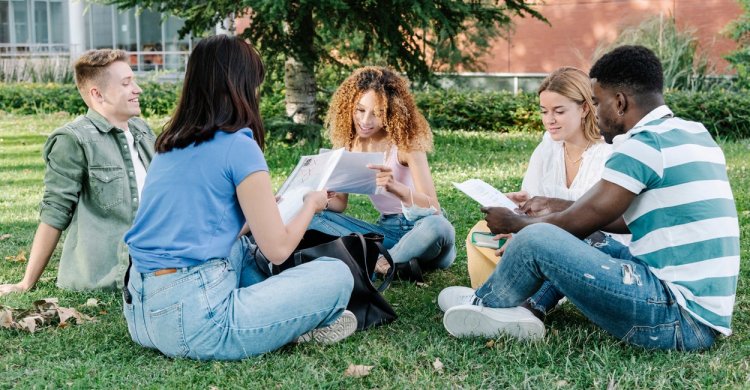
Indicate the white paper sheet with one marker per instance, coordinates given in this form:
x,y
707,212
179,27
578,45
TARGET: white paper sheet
x,y
485,194
337,170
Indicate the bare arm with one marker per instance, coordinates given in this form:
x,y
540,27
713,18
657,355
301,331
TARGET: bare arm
x,y
424,193
45,241
600,207
276,240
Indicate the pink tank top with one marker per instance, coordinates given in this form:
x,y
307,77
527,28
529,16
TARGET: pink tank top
x,y
388,203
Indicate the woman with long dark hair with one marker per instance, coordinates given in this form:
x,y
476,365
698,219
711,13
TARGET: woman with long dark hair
x,y
194,288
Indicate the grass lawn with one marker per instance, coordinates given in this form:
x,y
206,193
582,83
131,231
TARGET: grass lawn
x,y
573,354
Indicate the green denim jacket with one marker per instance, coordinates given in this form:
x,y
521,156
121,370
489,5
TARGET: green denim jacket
x,y
90,190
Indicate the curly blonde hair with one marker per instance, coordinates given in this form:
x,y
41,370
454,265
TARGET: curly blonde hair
x,y
404,125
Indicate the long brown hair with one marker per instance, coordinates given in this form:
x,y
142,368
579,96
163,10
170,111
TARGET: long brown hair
x,y
575,85
219,93
404,125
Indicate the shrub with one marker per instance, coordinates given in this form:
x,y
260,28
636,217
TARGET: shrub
x,y
479,110
159,99
724,112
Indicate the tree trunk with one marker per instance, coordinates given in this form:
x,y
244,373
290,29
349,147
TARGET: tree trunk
x,y
300,91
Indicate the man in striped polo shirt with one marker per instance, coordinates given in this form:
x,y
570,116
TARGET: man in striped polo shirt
x,y
666,183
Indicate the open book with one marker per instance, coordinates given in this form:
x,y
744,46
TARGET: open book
x,y
485,194
337,170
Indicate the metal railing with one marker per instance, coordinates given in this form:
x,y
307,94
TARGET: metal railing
x,y
34,49
141,61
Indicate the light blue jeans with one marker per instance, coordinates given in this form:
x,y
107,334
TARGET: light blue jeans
x,y
621,296
226,309
547,297
431,240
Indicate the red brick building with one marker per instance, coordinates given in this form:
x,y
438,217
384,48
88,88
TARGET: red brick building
x,y
577,27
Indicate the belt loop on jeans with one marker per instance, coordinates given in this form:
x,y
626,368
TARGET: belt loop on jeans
x,y
165,271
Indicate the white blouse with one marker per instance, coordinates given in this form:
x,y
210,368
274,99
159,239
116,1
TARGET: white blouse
x,y
546,173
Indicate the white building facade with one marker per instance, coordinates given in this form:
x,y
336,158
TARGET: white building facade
x,y
39,28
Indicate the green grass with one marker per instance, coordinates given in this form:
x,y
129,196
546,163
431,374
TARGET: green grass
x,y
573,354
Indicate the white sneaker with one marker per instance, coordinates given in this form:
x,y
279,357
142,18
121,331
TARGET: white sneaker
x,y
470,320
340,329
456,296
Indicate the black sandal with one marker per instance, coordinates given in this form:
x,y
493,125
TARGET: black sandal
x,y
409,271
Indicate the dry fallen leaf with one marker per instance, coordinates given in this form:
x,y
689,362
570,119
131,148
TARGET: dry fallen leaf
x,y
423,285
30,323
561,383
6,318
357,371
92,302
490,344
44,312
5,236
19,258
438,365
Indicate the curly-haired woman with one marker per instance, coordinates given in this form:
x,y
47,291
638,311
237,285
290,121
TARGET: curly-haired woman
x,y
373,111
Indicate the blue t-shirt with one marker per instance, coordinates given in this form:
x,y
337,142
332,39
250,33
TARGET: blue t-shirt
x,y
189,211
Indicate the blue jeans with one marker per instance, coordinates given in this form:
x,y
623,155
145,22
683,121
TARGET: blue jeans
x,y
431,240
621,296
226,309
547,297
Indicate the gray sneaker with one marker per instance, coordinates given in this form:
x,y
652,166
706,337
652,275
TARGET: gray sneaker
x,y
470,320
456,296
340,329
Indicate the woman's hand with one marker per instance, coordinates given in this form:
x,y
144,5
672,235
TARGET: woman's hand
x,y
519,198
499,252
384,178
12,288
318,200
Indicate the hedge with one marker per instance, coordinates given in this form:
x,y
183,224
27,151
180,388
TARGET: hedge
x,y
726,114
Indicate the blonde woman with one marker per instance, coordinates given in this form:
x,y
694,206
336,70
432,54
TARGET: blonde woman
x,y
569,160
373,111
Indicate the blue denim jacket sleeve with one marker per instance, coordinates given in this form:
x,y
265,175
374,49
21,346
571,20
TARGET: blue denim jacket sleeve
x,y
65,169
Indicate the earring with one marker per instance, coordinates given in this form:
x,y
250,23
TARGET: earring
x,y
621,113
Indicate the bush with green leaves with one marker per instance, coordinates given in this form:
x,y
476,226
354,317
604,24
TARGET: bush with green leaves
x,y
726,113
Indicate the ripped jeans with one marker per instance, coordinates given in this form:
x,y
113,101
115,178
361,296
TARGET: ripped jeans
x,y
620,295
547,297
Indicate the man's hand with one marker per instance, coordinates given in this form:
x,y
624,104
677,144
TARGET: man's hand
x,y
503,220
11,288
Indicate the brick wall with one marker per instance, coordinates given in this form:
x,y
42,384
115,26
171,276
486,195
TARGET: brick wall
x,y
578,27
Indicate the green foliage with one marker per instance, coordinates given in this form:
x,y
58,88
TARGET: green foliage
x,y
684,67
726,114
23,98
739,59
159,99
476,110
446,32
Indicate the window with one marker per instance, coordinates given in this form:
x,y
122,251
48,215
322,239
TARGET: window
x,y
4,22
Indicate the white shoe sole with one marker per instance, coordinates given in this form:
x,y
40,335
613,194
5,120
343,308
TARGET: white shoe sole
x,y
340,329
448,297
469,320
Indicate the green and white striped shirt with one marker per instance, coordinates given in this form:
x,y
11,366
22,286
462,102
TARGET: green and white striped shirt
x,y
683,219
